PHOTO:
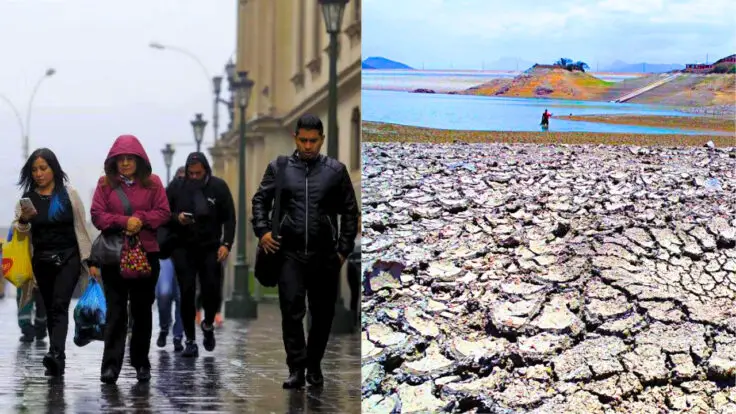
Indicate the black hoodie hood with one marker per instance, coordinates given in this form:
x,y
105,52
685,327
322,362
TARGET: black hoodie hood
x,y
198,157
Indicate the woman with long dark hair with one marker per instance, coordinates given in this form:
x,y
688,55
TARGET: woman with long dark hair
x,y
129,199
52,212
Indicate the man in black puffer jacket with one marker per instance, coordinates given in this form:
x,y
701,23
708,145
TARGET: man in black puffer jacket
x,y
203,223
316,190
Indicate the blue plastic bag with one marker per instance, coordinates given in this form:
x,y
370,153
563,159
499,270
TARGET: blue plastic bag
x,y
90,314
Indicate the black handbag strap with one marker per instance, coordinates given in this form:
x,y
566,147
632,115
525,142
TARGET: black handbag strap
x,y
124,199
281,164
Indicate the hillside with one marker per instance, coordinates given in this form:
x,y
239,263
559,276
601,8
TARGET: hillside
x,y
693,90
378,62
545,83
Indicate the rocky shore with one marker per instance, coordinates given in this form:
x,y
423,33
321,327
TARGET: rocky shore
x,y
512,278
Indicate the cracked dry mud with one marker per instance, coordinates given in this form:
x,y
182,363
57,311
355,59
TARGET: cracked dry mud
x,y
548,279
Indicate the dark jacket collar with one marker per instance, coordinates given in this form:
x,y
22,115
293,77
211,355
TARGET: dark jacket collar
x,y
310,163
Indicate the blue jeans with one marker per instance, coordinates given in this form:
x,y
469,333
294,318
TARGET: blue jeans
x,y
167,291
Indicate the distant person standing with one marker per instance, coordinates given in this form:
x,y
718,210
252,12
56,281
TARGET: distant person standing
x,y
316,189
545,119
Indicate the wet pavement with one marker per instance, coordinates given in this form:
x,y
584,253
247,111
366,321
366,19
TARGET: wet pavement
x,y
242,375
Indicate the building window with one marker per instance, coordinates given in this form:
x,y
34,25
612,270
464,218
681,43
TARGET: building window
x,y
355,139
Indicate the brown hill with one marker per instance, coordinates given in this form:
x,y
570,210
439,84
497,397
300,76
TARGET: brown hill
x,y
545,83
693,90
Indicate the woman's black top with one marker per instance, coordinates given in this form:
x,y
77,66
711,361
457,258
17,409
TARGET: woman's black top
x,y
47,234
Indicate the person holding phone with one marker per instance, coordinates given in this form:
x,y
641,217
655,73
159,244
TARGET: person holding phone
x,y
203,218
128,180
53,214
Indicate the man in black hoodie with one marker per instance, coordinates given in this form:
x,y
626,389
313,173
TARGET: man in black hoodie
x,y
316,190
203,220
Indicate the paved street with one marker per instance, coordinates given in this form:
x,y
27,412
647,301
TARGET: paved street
x,y
243,375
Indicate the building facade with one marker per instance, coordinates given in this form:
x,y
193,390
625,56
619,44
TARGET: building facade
x,y
283,44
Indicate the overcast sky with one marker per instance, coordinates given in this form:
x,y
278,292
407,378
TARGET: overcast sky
x,y
108,81
462,34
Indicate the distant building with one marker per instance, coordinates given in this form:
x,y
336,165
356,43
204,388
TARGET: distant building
x,y
708,67
698,68
283,45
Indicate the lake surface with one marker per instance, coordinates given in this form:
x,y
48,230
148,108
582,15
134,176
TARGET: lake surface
x,y
484,113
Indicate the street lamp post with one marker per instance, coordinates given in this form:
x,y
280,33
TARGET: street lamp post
x,y
198,125
215,84
242,305
25,129
168,153
332,11
217,87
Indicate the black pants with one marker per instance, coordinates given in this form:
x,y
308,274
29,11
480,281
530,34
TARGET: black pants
x,y
313,278
56,285
141,293
190,262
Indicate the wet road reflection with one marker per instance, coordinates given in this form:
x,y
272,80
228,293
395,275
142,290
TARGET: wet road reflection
x,y
243,375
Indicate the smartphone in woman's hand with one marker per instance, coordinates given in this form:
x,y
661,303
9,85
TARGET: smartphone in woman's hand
x,y
27,205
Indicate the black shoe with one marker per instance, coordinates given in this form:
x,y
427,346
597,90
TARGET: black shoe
x,y
178,347
27,338
161,341
191,350
40,331
209,337
295,380
54,364
108,376
315,377
143,374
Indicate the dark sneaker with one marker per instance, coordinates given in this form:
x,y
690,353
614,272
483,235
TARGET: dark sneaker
x,y
143,374
40,331
28,334
161,341
178,347
295,380
315,377
191,350
54,364
108,376
209,337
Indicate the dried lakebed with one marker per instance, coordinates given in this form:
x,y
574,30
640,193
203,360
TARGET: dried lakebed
x,y
548,279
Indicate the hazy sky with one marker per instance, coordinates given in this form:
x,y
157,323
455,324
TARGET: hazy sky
x,y
443,34
108,81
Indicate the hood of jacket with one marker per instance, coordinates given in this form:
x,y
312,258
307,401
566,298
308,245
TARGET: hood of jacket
x,y
129,145
196,157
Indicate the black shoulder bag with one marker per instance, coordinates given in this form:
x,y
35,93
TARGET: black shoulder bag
x,y
107,246
268,266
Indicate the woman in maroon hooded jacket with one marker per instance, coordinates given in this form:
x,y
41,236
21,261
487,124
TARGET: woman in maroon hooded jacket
x,y
127,167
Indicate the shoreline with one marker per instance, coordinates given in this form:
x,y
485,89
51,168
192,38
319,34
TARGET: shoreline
x,y
686,122
386,132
